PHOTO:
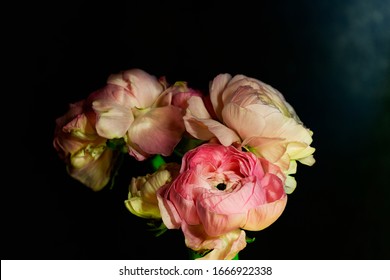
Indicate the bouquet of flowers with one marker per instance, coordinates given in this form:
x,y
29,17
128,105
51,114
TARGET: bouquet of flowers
x,y
223,161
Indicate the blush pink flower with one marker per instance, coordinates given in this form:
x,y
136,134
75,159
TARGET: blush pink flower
x,y
87,157
254,115
138,107
222,189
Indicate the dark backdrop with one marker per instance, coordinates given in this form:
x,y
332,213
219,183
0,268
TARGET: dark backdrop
x,y
330,59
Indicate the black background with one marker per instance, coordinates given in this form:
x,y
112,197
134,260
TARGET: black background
x,y
330,59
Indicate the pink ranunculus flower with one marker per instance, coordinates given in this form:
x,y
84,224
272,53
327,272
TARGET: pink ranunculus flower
x,y
181,93
223,189
137,106
85,153
256,116
142,197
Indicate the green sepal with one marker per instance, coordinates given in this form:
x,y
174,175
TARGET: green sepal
x,y
157,161
157,226
117,144
250,240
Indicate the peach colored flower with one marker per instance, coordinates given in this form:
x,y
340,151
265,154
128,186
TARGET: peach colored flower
x,y
138,107
87,157
254,115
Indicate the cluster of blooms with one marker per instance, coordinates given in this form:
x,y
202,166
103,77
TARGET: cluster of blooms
x,y
241,141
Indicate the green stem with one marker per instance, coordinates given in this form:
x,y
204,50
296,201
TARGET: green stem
x,y
118,164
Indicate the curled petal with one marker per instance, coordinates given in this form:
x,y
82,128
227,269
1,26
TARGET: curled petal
x,y
142,209
92,170
307,160
264,215
197,128
199,124
144,87
224,134
299,150
224,247
227,246
142,198
290,184
73,136
169,214
197,109
182,94
217,86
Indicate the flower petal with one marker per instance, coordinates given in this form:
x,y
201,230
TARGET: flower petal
x,y
113,120
169,214
264,215
245,122
224,134
143,209
224,247
158,131
112,105
197,128
217,86
216,224
229,245
145,87
91,171
271,149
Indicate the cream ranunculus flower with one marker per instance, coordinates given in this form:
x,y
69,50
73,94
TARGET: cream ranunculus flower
x,y
252,114
142,198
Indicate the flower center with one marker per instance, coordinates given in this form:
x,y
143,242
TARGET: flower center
x,y
221,186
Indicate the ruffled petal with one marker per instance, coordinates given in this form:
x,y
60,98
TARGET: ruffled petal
x,y
145,87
